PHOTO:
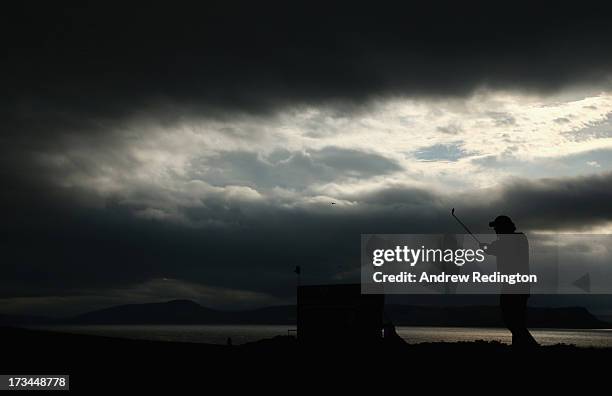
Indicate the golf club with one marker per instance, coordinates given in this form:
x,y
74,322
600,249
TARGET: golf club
x,y
464,226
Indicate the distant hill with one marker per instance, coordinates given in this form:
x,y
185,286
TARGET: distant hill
x,y
175,312
184,312
189,312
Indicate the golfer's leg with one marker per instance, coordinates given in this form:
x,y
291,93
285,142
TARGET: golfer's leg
x,y
525,337
505,305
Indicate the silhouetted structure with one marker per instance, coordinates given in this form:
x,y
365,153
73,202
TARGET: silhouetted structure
x,y
339,315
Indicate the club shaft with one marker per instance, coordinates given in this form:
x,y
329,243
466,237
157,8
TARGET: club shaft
x,y
467,229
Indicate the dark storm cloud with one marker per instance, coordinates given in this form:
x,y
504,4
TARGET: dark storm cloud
x,y
559,203
82,67
544,204
75,72
64,251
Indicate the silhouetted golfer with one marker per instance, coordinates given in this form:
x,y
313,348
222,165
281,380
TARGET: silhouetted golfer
x,y
512,252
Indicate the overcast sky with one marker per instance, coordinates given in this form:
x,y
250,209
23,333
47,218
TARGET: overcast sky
x,y
168,152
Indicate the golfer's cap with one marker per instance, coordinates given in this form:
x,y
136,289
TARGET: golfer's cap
x,y
501,221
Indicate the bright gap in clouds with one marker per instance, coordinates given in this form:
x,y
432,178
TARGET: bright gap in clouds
x,y
310,155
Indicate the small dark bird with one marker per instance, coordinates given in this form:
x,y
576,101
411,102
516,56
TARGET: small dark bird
x,y
333,203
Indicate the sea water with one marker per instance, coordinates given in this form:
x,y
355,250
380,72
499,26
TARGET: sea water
x,y
240,334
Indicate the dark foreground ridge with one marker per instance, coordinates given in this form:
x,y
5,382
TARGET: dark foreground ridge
x,y
121,363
